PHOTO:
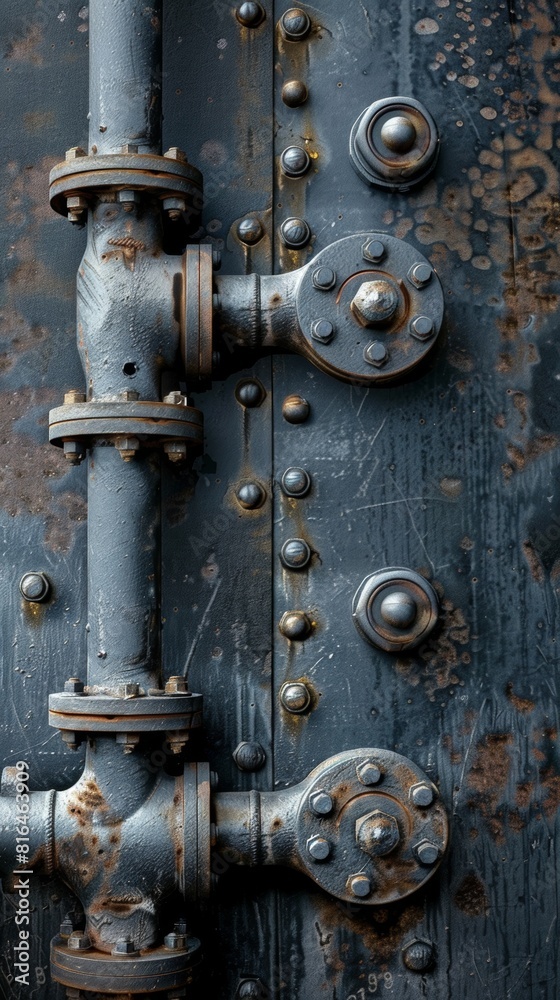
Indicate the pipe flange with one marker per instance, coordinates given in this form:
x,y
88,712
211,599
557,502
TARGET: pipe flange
x,y
370,308
395,609
371,828
150,422
144,713
394,143
153,970
197,867
162,176
196,311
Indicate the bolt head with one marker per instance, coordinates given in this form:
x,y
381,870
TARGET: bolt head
x,y
34,587
250,496
418,956
175,398
66,927
322,331
295,161
124,947
369,773
78,941
250,230
295,409
295,233
375,302
177,685
75,152
129,395
74,451
398,134
321,803
174,153
377,834
249,756
294,93
127,447
250,393
295,24
175,942
359,885
176,451
295,697
295,554
250,15
74,396
376,354
422,795
399,609
295,625
74,686
296,482
373,250
128,690
319,848
426,852
420,274
422,327
324,278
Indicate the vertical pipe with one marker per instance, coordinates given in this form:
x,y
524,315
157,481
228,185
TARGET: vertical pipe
x,y
125,75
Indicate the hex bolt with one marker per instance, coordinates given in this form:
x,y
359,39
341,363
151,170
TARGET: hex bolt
x,y
128,199
176,451
295,24
418,956
250,496
127,447
74,153
124,946
420,274
369,773
426,852
74,396
359,885
128,690
250,15
78,941
250,230
422,795
321,803
71,739
399,609
76,205
250,393
398,134
295,554
295,625
422,327
35,587
373,250
322,331
175,942
74,452
129,395
66,927
175,153
296,482
177,685
295,161
132,149
294,93
249,756
128,741
295,697
318,848
375,302
295,409
376,354
324,278
74,686
174,208
295,233
377,833
175,398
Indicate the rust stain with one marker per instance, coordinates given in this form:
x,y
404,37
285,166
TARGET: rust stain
x,y
534,562
471,896
437,661
521,704
25,48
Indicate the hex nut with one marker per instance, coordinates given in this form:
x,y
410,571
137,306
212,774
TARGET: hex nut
x,y
369,773
359,885
321,802
74,686
420,274
319,848
376,302
422,795
295,697
78,941
35,587
322,331
175,942
426,852
422,327
376,354
324,278
377,833
296,482
124,947
177,685
373,250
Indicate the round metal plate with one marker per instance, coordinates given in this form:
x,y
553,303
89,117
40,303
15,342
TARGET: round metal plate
x,y
103,713
154,970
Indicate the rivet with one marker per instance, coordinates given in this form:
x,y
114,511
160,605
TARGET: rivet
x,y
376,354
295,553
250,15
324,278
420,274
295,161
398,134
418,956
422,795
321,803
426,852
250,496
295,24
295,625
373,251
369,773
295,233
359,886
34,587
249,756
322,331
422,327
399,609
318,848
296,482
250,230
250,393
295,409
294,93
295,697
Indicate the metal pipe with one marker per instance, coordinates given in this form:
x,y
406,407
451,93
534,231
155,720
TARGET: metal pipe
x,y
125,75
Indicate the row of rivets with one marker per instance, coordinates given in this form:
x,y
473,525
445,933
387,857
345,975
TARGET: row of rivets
x,y
295,24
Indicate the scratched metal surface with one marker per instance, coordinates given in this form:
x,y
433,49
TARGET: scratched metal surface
x,y
454,473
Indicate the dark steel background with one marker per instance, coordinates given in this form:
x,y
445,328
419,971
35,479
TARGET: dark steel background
x,y
454,473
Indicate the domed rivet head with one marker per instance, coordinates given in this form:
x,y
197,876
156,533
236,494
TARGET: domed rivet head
x,y
368,773
34,587
418,956
322,331
295,409
321,803
375,302
318,848
359,886
295,697
250,393
295,24
249,756
295,234
373,250
250,496
250,230
426,852
422,795
398,134
422,327
399,609
420,274
324,278
377,833
295,553
376,354
295,161
250,15
295,625
294,93
296,482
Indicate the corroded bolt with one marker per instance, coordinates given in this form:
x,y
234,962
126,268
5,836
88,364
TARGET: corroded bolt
x,y
174,153
318,848
295,625
127,446
74,686
124,947
376,354
250,15
422,795
295,697
75,152
74,396
426,852
78,941
296,482
176,451
398,134
177,740
418,956
34,587
176,685
422,327
295,409
250,230
368,773
71,739
174,208
373,250
74,452
128,741
295,24
321,803
375,302
249,756
295,161
359,885
294,93
128,198
295,233
128,690
76,205
377,833
420,274
174,941
250,496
